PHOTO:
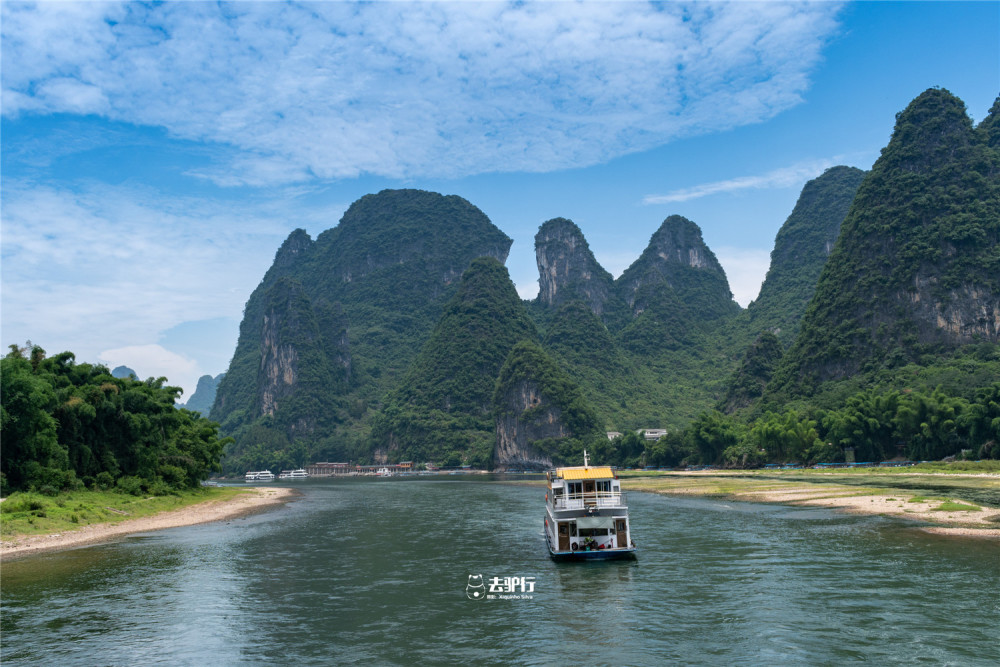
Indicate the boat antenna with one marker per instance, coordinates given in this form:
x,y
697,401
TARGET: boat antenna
x,y
585,461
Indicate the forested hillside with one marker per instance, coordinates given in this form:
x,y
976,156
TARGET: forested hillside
x,y
801,249
336,323
204,394
648,354
442,410
915,273
541,417
65,425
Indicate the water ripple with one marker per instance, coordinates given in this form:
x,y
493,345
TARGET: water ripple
x,y
374,571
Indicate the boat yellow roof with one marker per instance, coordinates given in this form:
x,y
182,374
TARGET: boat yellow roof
x,y
601,472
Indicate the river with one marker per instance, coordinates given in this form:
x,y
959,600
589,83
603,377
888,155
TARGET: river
x,y
376,570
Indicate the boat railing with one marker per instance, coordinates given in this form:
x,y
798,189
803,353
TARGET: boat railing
x,y
597,499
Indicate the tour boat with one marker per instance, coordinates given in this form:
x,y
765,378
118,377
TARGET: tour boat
x,y
383,472
586,515
260,476
293,474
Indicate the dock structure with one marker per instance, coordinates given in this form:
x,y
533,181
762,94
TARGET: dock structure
x,y
327,469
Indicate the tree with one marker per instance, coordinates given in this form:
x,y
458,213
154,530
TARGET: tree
x,y
785,437
712,433
30,444
929,425
63,422
867,422
982,421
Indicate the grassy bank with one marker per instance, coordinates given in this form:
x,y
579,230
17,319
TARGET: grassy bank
x,y
26,514
965,499
978,489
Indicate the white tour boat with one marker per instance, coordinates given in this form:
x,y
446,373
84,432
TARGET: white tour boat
x,y
585,514
260,476
293,474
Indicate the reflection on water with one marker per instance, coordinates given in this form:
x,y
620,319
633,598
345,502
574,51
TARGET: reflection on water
x,y
376,571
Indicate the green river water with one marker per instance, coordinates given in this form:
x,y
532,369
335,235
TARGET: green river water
x,y
375,571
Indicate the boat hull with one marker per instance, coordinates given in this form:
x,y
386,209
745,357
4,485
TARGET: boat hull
x,y
594,554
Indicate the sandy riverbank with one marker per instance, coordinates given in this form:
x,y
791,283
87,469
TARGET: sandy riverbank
x,y
983,522
256,499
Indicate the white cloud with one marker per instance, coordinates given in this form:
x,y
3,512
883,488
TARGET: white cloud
x,y
785,177
156,361
114,268
401,89
745,269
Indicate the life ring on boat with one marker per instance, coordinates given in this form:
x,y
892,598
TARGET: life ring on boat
x,y
575,546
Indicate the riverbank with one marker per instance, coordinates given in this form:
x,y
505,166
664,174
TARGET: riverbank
x,y
248,501
963,504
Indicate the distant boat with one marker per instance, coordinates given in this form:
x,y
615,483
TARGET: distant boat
x,y
293,474
259,476
383,472
586,515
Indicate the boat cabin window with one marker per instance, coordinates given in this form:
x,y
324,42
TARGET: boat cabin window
x,y
572,529
575,487
557,491
604,486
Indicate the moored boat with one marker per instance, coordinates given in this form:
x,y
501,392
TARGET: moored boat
x,y
586,515
293,474
259,476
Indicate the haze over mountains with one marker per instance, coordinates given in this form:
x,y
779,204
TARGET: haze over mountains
x,y
398,335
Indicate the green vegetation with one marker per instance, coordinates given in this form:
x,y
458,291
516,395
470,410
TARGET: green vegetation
x,y
442,411
755,371
950,506
976,491
917,261
28,513
801,248
361,301
204,394
357,346
876,426
558,422
66,425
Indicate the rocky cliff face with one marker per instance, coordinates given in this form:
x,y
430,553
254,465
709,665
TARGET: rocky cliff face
x,y
287,325
567,269
541,415
303,359
524,420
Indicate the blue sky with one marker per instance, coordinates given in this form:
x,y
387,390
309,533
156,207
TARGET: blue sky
x,y
154,156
